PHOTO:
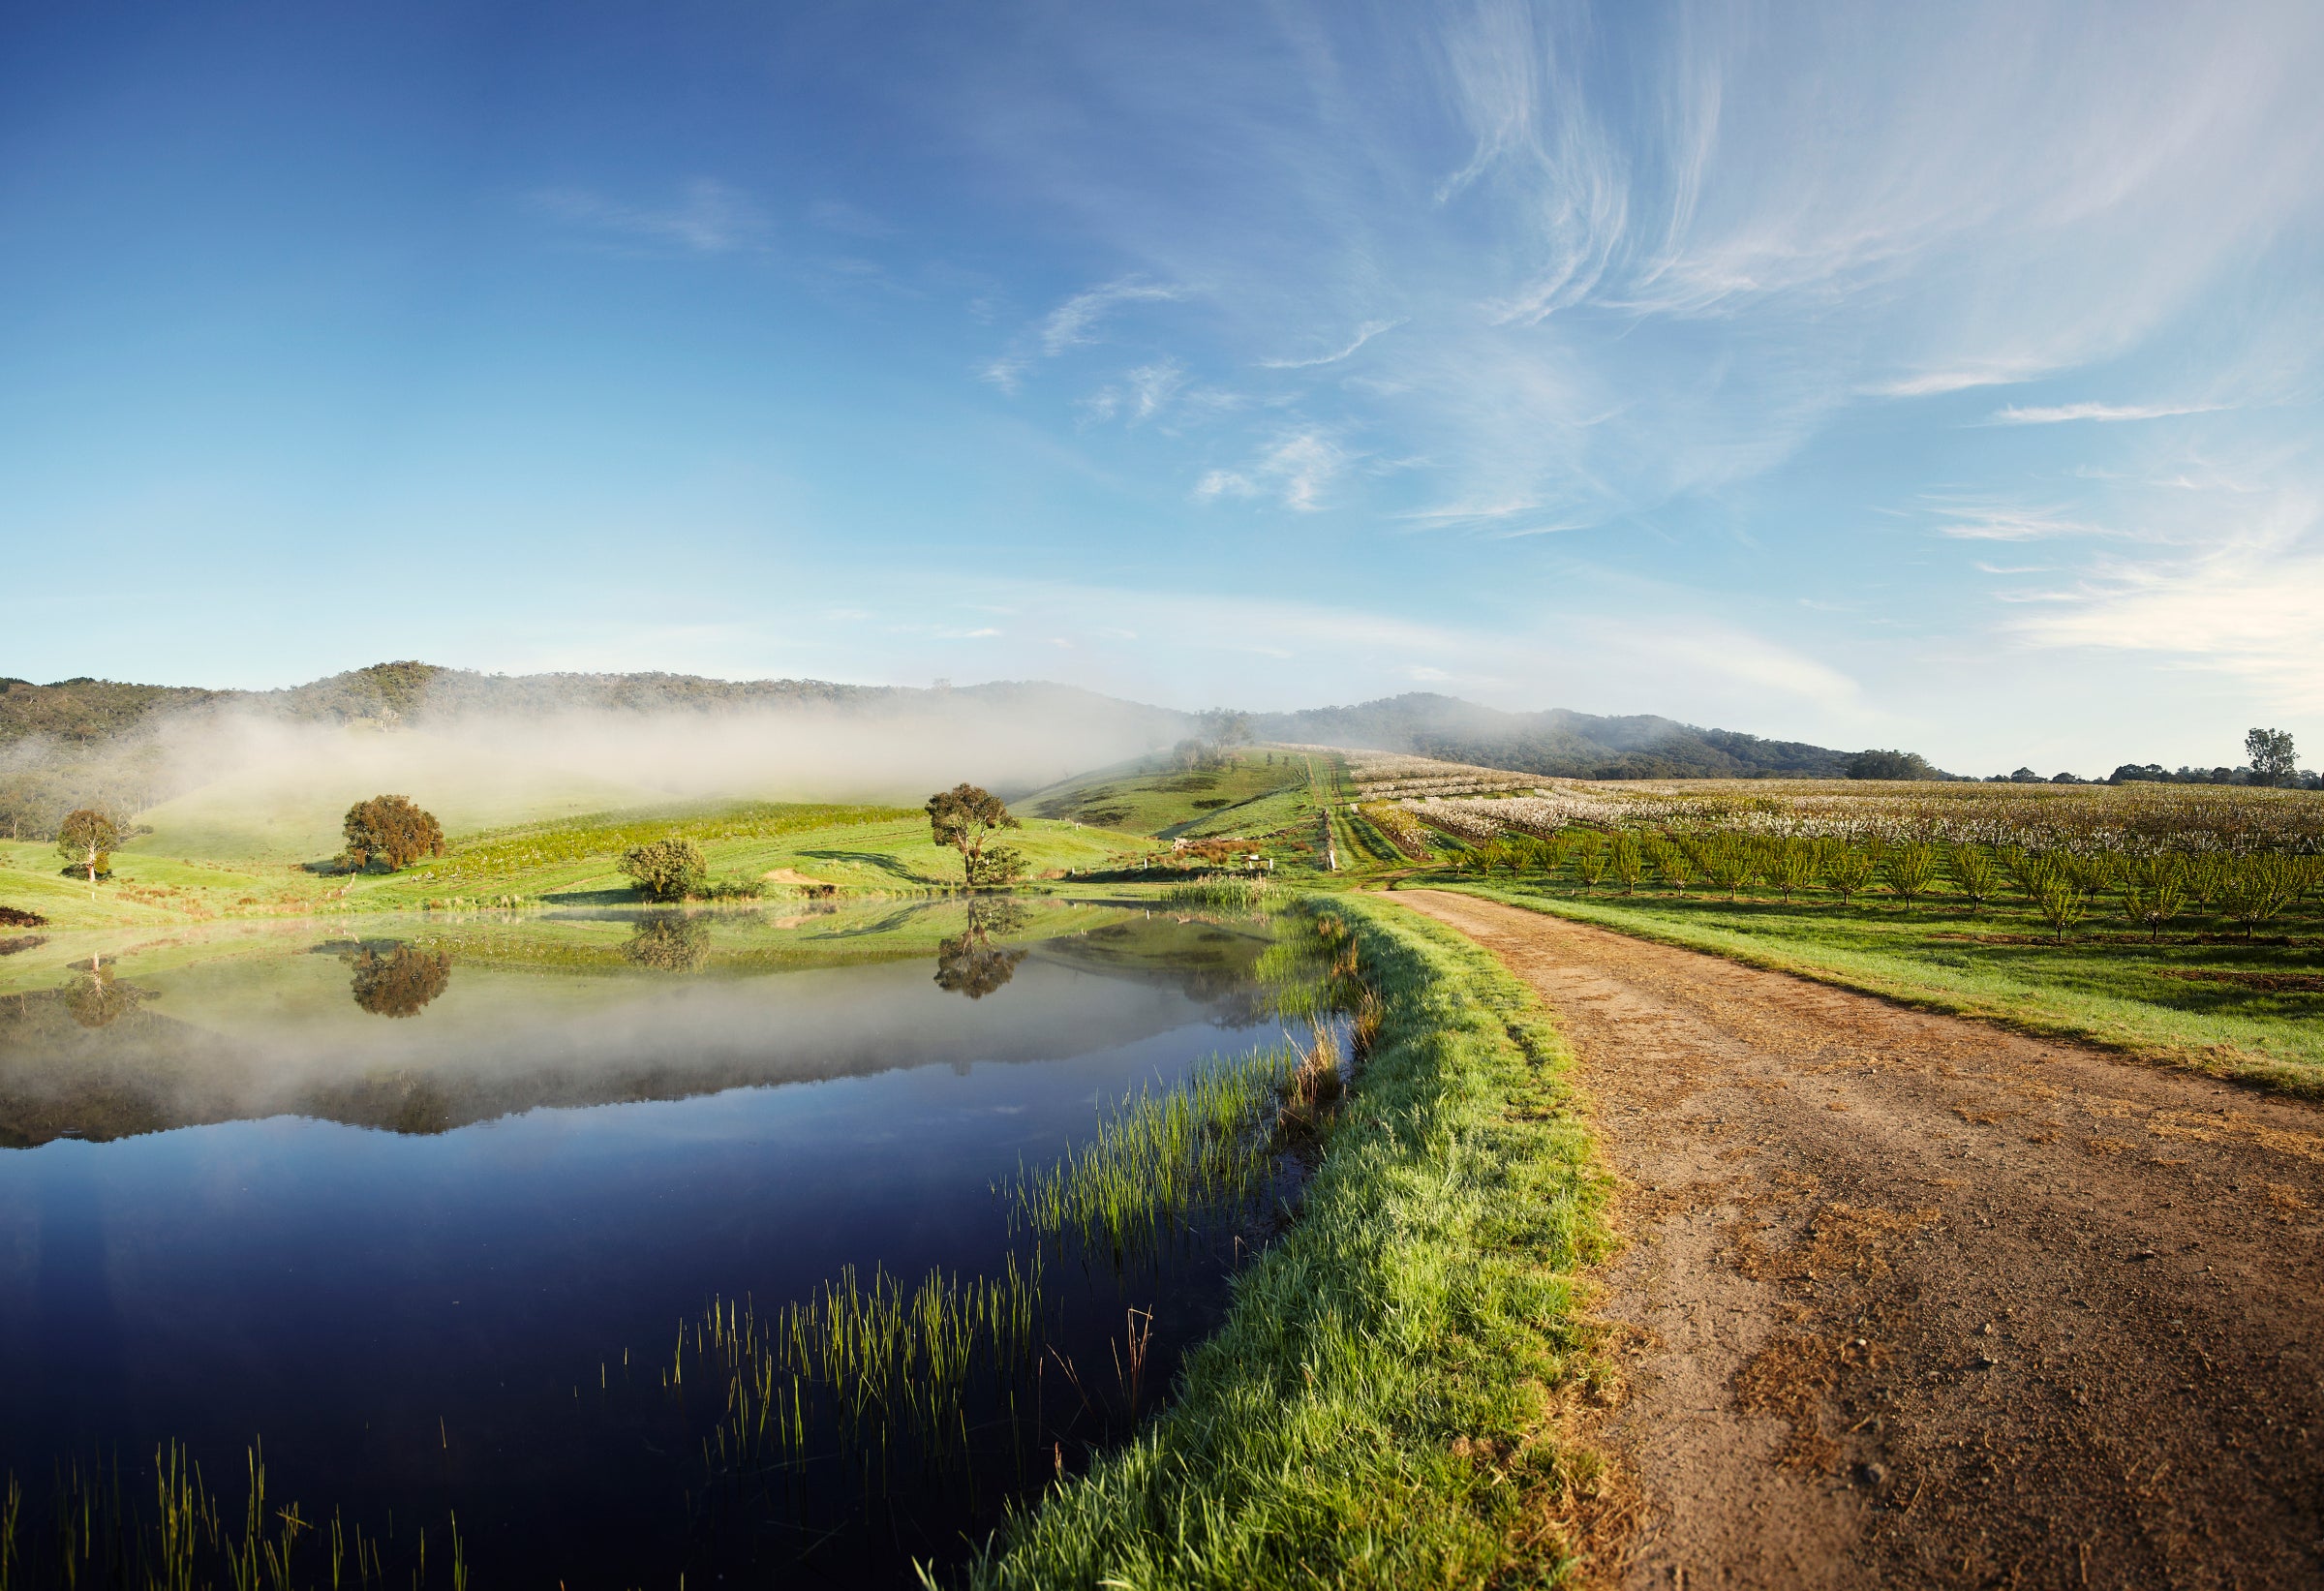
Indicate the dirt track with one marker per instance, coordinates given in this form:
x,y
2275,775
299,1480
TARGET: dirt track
x,y
1921,1301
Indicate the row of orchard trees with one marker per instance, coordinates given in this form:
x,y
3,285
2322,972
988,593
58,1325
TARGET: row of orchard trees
x,y
2062,886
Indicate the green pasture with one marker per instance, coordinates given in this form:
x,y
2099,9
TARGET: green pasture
x,y
854,848
2245,1016
567,862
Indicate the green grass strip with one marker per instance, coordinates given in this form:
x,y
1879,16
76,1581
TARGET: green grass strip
x,y
2102,994
1381,1406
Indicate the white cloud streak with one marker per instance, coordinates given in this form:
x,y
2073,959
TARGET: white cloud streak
x,y
2062,413
1074,322
1363,334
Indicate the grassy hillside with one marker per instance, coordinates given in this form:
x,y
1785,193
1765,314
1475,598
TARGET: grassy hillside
x,y
1261,789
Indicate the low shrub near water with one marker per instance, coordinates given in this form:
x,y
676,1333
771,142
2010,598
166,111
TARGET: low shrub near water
x,y
1221,892
1156,1155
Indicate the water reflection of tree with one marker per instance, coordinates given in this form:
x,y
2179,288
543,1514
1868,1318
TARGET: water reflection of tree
x,y
669,941
970,963
97,998
399,981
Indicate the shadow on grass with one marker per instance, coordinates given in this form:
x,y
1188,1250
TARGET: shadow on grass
x,y
596,897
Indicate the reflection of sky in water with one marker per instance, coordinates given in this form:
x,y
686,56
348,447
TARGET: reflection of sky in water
x,y
339,1289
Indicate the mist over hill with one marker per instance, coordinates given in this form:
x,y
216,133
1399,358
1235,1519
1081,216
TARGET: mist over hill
x,y
493,744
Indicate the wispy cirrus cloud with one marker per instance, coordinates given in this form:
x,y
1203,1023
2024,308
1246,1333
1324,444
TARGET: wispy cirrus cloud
x,y
2249,603
1140,396
2063,413
1932,383
1992,522
1364,333
708,217
1073,323
1295,468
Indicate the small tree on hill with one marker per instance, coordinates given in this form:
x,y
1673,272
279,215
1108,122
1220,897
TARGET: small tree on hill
x,y
1889,765
392,831
86,840
961,818
667,869
2271,755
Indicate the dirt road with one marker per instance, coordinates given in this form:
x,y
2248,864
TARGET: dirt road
x,y
1921,1301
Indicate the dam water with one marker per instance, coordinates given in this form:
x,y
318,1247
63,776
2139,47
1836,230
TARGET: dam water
x,y
428,1218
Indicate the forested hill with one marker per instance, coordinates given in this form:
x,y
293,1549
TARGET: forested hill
x,y
1554,743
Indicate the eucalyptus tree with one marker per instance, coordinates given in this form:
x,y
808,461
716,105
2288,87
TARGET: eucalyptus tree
x,y
2270,754
961,818
86,840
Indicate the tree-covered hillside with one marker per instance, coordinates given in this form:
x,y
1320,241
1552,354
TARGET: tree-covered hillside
x,y
1557,743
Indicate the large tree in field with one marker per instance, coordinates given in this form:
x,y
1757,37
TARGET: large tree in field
x,y
2271,755
961,817
391,829
86,839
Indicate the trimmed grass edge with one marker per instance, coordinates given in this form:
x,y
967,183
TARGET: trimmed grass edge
x,y
2227,1062
1395,1395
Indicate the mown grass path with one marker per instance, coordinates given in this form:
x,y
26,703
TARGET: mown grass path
x,y
1926,1301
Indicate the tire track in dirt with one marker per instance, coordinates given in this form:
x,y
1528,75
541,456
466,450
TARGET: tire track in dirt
x,y
1915,1300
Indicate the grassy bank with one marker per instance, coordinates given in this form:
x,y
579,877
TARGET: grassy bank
x,y
2206,1000
563,862
1382,1407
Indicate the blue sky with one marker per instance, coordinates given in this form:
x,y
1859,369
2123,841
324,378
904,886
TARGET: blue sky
x,y
1945,377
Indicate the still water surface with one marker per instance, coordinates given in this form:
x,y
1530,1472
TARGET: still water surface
x,y
396,1208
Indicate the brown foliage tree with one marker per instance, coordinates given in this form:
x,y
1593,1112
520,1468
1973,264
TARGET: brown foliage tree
x,y
391,829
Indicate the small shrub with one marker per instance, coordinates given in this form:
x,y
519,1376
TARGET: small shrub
x,y
1848,870
995,866
1220,892
731,889
667,869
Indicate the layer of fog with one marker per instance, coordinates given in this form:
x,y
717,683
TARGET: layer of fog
x,y
484,768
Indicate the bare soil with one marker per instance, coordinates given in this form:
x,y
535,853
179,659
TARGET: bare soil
x,y
1915,1300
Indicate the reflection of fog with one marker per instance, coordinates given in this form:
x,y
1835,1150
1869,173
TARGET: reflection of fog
x,y
400,982
669,941
260,1037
